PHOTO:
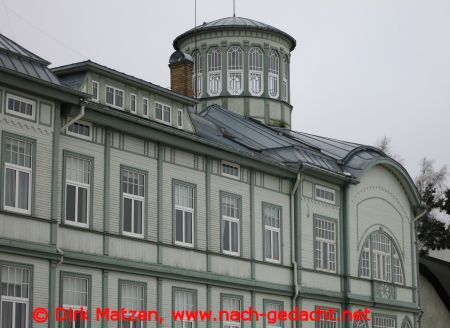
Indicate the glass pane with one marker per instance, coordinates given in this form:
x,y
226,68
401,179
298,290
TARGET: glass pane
x,y
226,235
188,227
10,188
268,244
235,236
127,208
276,249
82,205
70,202
21,315
179,225
7,314
138,216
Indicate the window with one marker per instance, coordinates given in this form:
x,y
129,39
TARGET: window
x,y
133,103
325,244
114,97
255,80
274,72
184,214
20,106
272,223
180,118
327,321
235,70
231,215
325,194
78,178
383,322
95,96
360,324
80,129
184,301
163,113
15,296
18,175
231,170
380,259
132,297
273,307
145,107
230,304
133,200
214,72
286,78
197,78
76,297
407,323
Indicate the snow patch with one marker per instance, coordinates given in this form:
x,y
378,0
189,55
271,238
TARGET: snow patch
x,y
441,216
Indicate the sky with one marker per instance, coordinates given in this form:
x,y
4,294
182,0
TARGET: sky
x,y
361,70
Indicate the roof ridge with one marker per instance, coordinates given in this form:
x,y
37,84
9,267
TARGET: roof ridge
x,y
29,54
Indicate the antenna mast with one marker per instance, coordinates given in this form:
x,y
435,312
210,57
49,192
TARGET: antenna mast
x,y
234,8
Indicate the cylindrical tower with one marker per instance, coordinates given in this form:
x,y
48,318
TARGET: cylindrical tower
x,y
242,65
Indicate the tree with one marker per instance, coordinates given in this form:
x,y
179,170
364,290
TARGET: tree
x,y
384,144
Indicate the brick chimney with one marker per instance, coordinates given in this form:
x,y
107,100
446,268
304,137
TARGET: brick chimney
x,y
181,68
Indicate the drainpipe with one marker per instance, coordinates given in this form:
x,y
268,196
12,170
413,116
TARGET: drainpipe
x,y
294,262
83,103
417,262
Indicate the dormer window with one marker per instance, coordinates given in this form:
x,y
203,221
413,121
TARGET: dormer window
x,y
255,79
180,118
325,194
133,103
231,170
145,107
163,113
114,97
95,91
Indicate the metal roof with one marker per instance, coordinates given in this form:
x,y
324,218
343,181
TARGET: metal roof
x,y
437,272
16,58
234,23
290,148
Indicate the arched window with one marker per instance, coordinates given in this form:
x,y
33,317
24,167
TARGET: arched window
x,y
255,79
214,72
380,259
197,77
235,70
407,323
360,324
285,96
274,72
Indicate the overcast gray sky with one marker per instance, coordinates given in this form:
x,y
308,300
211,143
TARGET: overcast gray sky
x,y
362,69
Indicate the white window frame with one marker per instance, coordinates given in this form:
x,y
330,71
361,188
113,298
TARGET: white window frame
x,y
382,260
133,197
114,97
273,306
133,95
185,210
320,223
197,77
238,177
185,323
97,98
81,136
24,100
273,230
18,168
145,105
16,300
214,69
253,70
232,324
286,78
237,69
316,187
380,321
274,74
78,185
73,306
163,108
236,220
323,323
180,113
137,323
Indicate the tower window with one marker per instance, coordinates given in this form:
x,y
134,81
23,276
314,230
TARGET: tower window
x,y
286,78
255,79
235,70
197,78
274,72
214,72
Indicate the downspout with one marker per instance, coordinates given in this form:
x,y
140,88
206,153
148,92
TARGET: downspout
x,y
83,103
417,262
294,261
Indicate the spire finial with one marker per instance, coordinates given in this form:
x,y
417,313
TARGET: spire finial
x,y
234,8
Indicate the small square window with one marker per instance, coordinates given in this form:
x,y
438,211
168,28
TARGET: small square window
x,y
325,194
231,170
163,113
114,97
80,129
20,106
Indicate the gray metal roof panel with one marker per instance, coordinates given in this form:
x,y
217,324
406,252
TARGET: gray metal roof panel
x,y
233,23
8,45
